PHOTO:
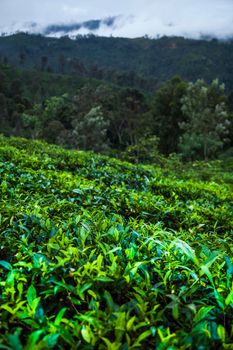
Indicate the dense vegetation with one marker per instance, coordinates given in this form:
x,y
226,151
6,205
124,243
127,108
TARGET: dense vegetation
x,y
111,95
142,62
102,254
96,252
89,114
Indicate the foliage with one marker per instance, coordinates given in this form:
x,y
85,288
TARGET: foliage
x,y
102,254
144,151
166,114
141,63
207,121
90,133
37,86
127,115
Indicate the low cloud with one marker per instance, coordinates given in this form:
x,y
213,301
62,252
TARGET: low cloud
x,y
135,18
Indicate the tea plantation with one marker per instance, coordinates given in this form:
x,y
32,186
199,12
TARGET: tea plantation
x,y
96,253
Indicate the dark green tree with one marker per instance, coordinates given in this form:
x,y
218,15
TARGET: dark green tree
x,y
166,114
207,120
43,63
90,131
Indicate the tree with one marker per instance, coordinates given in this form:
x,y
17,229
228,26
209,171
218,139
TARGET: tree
x,y
62,62
3,113
145,151
43,63
126,112
123,108
57,108
22,58
54,132
166,114
230,110
32,121
49,120
90,131
3,82
207,124
16,88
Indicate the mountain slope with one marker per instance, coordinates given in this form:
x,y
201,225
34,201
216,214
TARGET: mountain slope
x,y
154,59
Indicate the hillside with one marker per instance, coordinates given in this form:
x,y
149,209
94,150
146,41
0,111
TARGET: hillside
x,y
36,86
141,62
102,254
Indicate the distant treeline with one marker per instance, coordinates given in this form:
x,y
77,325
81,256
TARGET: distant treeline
x,y
141,63
191,119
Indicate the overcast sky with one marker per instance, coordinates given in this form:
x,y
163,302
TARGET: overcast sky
x,y
189,18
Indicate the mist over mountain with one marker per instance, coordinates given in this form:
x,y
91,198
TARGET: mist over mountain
x,y
131,19
113,26
62,29
68,29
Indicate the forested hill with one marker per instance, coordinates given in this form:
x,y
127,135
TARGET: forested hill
x,y
140,62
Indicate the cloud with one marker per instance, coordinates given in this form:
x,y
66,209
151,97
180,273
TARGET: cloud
x,y
134,18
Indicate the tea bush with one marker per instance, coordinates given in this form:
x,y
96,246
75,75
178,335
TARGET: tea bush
x,y
102,254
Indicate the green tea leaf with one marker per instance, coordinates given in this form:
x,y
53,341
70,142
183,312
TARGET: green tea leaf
x,y
40,313
6,265
221,332
143,336
31,295
15,342
86,334
202,313
60,316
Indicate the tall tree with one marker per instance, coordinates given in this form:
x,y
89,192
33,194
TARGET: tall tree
x,y
127,109
166,114
207,124
61,62
43,63
90,131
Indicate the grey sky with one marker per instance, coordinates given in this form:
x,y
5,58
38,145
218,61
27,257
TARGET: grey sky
x,y
136,17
